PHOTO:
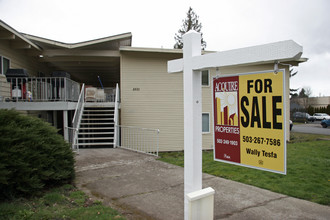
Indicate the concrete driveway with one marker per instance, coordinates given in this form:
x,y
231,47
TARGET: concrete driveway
x,y
141,187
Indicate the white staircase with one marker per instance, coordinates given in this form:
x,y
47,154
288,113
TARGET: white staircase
x,y
97,126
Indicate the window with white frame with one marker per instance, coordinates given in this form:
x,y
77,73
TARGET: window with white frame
x,y
205,78
206,122
4,65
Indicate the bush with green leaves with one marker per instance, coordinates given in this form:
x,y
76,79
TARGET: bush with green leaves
x,y
33,156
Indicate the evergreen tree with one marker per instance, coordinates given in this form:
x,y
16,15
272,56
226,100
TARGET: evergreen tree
x,y
190,23
293,92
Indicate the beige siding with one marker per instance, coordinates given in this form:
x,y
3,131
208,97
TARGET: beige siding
x,y
19,59
157,101
4,88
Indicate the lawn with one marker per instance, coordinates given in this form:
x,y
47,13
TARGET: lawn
x,y
65,202
308,169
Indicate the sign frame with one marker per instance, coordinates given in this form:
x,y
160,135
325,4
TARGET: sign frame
x,y
284,98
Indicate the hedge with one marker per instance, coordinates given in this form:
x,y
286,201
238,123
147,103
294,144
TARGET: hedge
x,y
33,156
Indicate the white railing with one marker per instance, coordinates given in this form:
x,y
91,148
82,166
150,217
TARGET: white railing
x,y
43,89
77,118
94,94
143,140
73,141
79,108
116,116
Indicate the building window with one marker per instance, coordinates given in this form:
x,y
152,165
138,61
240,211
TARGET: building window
x,y
4,65
205,122
205,78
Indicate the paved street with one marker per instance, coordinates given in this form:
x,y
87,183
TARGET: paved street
x,y
311,128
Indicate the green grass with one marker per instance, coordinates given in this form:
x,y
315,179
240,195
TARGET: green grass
x,y
308,169
65,202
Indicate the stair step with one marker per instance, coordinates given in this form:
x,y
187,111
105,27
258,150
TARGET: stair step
x,y
90,144
99,110
96,128
95,138
96,119
97,123
92,133
88,115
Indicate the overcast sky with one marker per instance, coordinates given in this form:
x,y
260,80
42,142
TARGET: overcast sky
x,y
226,25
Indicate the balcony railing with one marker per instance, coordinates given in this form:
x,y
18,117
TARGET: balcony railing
x,y
42,89
93,94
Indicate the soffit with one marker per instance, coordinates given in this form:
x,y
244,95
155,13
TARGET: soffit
x,y
16,40
85,61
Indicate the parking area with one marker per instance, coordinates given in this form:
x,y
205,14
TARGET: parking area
x,y
311,128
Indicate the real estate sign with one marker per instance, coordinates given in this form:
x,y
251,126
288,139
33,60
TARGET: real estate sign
x,y
250,121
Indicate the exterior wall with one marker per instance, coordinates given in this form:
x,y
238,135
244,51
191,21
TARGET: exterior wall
x,y
153,98
315,102
4,88
20,59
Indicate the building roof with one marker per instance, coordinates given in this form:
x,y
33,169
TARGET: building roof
x,y
150,50
17,40
106,43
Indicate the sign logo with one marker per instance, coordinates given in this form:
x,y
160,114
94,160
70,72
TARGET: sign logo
x,y
249,120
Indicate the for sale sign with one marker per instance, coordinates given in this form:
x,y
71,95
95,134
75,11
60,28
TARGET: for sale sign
x,y
249,120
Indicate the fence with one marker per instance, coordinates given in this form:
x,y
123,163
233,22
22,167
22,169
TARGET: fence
x,y
43,89
143,140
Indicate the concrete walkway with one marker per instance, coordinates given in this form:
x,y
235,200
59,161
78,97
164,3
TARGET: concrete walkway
x,y
141,187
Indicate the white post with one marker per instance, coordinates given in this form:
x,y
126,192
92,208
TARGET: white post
x,y
192,118
65,126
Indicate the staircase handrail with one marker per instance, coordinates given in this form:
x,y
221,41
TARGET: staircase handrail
x,y
116,116
80,102
78,115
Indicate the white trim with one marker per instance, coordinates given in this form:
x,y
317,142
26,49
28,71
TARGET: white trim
x,y
261,54
206,132
208,78
81,44
1,64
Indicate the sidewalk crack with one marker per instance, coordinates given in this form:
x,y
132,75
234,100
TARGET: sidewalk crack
x,y
226,215
147,192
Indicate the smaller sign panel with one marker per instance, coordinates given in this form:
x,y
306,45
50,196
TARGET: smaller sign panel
x,y
249,120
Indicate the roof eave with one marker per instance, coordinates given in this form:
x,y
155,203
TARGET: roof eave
x,y
19,35
81,44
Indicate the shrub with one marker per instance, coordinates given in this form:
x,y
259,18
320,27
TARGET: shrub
x,y
32,155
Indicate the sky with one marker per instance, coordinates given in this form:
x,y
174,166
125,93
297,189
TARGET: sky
x,y
226,25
